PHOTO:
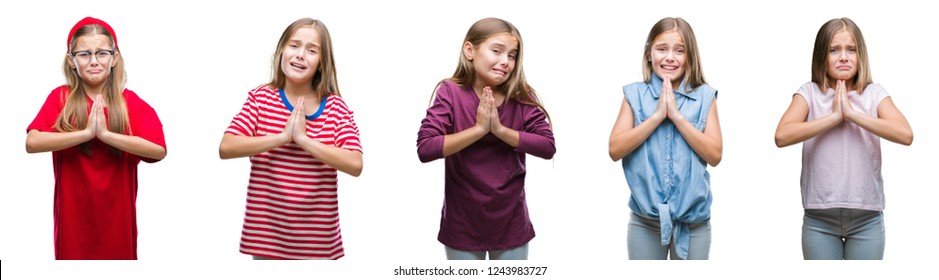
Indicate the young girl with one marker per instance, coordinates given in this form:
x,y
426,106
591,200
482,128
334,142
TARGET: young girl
x,y
98,131
840,116
483,121
667,132
298,132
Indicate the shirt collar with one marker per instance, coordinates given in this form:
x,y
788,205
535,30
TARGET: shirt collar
x,y
656,84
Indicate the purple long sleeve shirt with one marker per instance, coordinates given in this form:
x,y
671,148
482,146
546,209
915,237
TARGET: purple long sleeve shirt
x,y
484,196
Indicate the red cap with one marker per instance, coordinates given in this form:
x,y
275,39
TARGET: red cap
x,y
87,21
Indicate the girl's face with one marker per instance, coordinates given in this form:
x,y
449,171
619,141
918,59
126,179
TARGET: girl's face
x,y
494,59
668,56
842,56
92,58
300,58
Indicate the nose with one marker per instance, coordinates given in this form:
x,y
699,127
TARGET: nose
x,y
94,59
670,56
504,59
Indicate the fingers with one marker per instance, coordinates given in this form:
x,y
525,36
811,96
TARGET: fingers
x,y
299,129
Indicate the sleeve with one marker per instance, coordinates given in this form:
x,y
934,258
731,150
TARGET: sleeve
x,y
347,132
537,138
245,122
45,119
879,93
435,126
146,124
807,91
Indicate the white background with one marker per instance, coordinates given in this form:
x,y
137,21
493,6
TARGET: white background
x,y
195,62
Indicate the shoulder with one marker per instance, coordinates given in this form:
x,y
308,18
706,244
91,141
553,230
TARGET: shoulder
x,y
335,100
875,92
449,90
447,87
264,89
58,94
706,90
875,88
809,88
134,102
635,87
132,99
634,90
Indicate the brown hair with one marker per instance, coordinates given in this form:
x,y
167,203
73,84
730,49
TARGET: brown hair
x,y
693,75
823,44
324,81
516,86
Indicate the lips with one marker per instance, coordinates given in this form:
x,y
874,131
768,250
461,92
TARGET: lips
x,y
298,66
669,67
500,72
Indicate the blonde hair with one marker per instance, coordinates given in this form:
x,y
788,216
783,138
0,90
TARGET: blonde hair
x,y
823,44
74,115
324,81
516,86
693,75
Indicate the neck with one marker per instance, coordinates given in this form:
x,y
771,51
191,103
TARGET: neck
x,y
478,88
295,90
91,91
676,84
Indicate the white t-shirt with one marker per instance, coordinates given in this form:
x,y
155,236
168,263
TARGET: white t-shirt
x,y
841,166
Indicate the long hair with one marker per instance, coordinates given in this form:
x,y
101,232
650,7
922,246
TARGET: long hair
x,y
324,80
823,44
74,115
693,75
516,86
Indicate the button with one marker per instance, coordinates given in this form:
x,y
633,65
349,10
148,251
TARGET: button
x,y
668,157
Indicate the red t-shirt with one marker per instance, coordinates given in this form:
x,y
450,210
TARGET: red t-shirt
x,y
95,196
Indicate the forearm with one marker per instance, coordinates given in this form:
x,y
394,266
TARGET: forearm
x,y
507,135
796,132
625,142
236,146
134,145
456,142
41,141
707,147
347,161
897,131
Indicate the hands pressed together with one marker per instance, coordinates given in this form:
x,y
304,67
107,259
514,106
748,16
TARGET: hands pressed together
x,y
295,130
841,106
487,114
668,106
97,124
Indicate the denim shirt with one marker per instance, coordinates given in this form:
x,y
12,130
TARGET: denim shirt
x,y
667,180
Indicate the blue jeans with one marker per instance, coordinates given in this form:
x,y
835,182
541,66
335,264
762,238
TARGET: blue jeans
x,y
644,240
843,234
517,253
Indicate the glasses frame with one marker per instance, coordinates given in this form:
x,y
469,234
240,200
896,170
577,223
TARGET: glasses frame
x,y
87,56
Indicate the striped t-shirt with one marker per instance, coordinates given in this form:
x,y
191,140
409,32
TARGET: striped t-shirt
x,y
292,208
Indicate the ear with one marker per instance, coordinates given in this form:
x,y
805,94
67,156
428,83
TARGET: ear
x,y
71,63
468,50
117,55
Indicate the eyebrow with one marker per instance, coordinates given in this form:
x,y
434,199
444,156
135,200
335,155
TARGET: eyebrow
x,y
92,50
666,45
298,42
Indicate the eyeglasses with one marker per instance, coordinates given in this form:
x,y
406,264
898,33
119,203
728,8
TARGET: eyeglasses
x,y
103,56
